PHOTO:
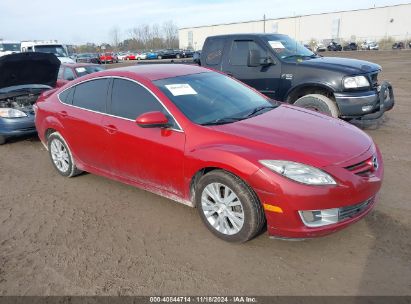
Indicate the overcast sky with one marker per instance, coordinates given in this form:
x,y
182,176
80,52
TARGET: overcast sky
x,y
76,21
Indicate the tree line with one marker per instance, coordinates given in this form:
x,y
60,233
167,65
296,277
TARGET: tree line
x,y
142,37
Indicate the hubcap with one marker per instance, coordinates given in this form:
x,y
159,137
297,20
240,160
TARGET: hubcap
x,y
59,155
222,208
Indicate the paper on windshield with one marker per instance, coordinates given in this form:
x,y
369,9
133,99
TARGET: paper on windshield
x,y
179,89
81,69
276,44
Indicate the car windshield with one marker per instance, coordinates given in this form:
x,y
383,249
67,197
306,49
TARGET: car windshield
x,y
84,70
14,47
57,50
287,48
212,98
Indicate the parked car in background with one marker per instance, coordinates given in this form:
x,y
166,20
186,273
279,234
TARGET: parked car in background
x,y
319,47
213,143
47,46
130,56
108,57
71,71
197,57
88,58
398,45
8,47
187,53
151,55
352,46
308,47
334,46
19,92
370,45
284,70
169,53
141,56
121,55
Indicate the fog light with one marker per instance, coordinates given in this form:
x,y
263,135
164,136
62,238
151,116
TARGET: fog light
x,y
317,218
367,108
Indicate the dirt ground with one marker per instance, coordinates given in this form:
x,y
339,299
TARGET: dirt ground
x,y
92,236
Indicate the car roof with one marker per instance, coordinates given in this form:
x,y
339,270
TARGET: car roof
x,y
157,71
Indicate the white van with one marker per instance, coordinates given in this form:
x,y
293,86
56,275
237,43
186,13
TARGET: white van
x,y
9,47
49,46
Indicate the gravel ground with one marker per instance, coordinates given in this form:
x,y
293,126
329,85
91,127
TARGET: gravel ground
x,y
92,236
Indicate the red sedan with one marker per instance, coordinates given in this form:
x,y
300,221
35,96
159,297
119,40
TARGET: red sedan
x,y
71,71
206,140
108,58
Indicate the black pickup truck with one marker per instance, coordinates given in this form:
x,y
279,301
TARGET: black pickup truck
x,y
285,70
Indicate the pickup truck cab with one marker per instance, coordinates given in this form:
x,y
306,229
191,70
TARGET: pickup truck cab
x,y
285,70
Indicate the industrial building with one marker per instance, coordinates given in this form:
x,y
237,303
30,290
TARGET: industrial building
x,y
350,26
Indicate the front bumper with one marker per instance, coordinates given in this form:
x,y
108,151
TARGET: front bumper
x,y
14,127
283,199
368,105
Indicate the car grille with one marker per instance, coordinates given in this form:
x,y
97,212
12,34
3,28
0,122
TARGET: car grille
x,y
352,211
374,80
364,168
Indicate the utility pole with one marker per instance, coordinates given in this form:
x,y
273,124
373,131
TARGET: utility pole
x,y
264,22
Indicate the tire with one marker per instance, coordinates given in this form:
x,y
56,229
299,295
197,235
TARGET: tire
x,y
238,223
319,103
159,57
61,156
2,140
178,56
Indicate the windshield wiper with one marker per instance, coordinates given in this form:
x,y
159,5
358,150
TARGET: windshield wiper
x,y
258,110
222,121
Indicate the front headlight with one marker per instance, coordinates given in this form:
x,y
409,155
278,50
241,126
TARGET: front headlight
x,y
11,113
299,172
356,82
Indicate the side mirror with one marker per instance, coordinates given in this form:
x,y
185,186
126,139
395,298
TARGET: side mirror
x,y
253,59
70,78
152,120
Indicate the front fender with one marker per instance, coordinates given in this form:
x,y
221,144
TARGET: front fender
x,y
300,86
230,158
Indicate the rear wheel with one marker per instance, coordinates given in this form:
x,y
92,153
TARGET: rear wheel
x,y
228,207
61,156
319,103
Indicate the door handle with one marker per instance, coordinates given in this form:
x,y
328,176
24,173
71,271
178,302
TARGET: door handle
x,y
63,113
111,129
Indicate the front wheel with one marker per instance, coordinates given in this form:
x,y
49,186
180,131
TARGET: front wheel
x,y
61,156
319,103
228,207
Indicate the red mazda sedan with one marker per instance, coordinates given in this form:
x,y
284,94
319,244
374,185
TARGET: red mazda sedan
x,y
206,140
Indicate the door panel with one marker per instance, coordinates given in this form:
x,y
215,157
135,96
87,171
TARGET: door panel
x,y
151,156
265,79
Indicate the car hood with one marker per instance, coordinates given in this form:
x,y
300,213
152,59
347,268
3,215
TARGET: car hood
x,y
28,68
292,133
344,65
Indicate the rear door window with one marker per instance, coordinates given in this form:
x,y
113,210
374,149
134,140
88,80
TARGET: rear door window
x,y
67,95
92,95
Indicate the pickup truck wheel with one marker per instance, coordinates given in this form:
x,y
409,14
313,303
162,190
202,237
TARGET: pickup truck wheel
x,y
228,207
2,140
319,103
